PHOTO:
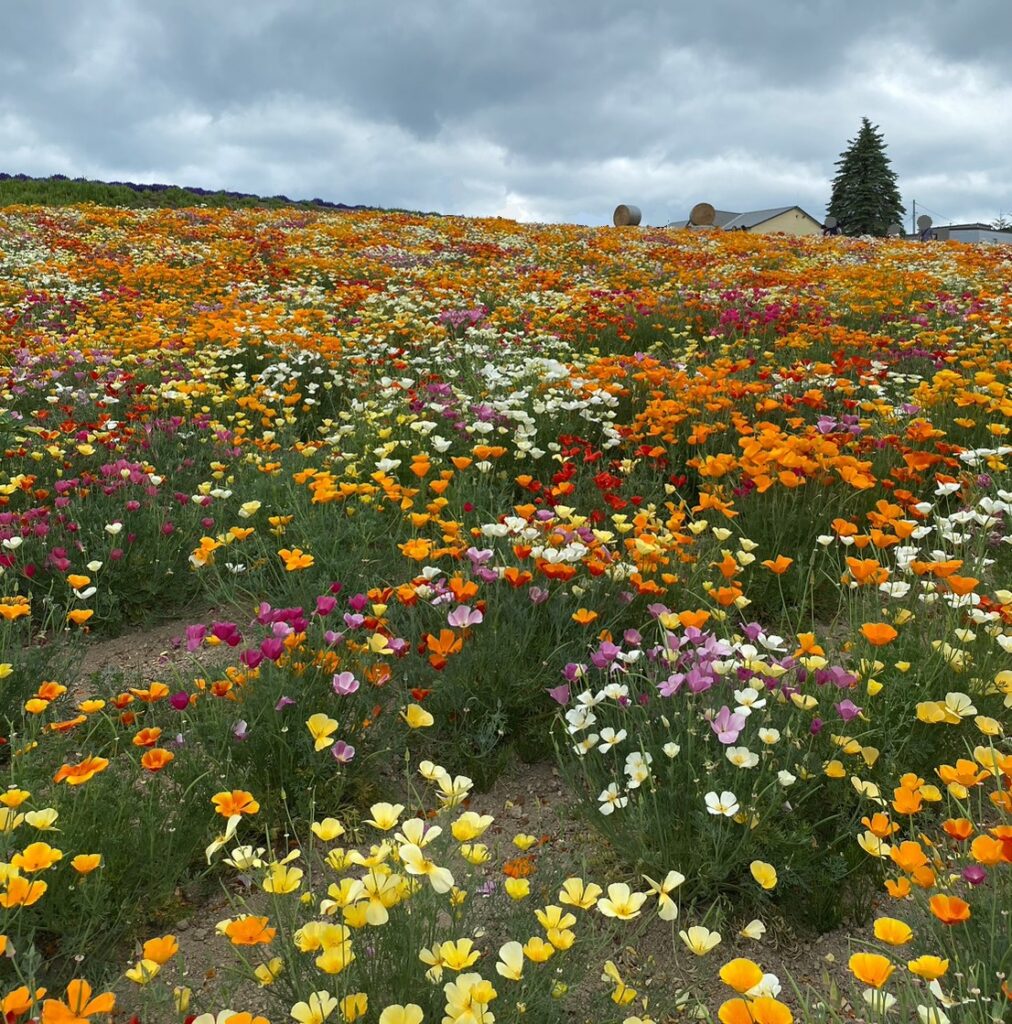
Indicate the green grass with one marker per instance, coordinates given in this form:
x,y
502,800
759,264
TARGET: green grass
x,y
58,190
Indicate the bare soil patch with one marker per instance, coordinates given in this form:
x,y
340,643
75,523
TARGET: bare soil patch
x,y
527,798
150,654
531,798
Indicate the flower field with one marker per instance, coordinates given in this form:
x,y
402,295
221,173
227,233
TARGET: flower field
x,y
720,525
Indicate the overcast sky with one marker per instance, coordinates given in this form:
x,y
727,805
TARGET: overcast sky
x,y
550,110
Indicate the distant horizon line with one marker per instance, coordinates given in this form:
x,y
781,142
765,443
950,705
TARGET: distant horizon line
x,y
327,204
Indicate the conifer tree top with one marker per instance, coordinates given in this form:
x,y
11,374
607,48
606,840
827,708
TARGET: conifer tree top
x,y
865,199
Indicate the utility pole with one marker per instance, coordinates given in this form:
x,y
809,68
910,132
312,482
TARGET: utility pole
x,y
913,219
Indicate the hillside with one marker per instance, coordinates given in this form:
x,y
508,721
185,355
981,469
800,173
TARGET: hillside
x,y
59,190
681,560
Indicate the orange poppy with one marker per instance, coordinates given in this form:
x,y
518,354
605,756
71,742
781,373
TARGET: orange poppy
x,y
442,647
19,1001
878,633
154,692
236,802
147,737
516,578
696,619
13,608
949,909
726,596
987,851
866,571
78,774
463,590
871,968
295,559
892,931
964,773
50,690
807,645
417,549
961,585
880,825
79,1005
898,888
907,801
958,828
85,863
250,931
519,867
162,949
741,974
764,1010
923,877
908,856
156,759
67,724
22,893
778,565
36,857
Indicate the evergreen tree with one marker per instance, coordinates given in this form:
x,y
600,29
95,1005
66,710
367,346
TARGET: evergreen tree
x,y
865,199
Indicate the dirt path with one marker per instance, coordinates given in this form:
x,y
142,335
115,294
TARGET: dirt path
x,y
532,799
528,798
149,654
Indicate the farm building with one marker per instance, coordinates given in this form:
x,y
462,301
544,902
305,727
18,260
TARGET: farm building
x,y
791,220
976,232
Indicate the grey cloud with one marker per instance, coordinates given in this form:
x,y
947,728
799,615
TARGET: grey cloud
x,y
530,109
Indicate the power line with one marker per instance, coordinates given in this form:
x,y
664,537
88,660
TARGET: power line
x,y
929,210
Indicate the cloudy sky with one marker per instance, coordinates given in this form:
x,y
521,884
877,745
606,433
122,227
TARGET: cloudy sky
x,y
552,110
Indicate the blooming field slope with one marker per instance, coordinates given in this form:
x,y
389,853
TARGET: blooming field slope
x,y
719,522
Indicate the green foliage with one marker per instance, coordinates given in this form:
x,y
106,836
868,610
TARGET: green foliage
x,y
865,198
644,793
60,191
30,653
405,929
260,732
166,817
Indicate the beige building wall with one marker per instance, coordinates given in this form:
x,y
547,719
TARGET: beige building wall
x,y
793,222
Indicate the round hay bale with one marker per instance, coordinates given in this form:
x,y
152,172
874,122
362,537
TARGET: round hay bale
x,y
626,216
702,215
